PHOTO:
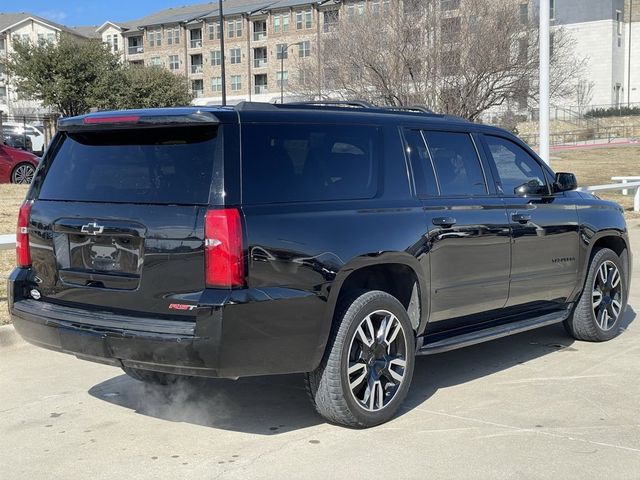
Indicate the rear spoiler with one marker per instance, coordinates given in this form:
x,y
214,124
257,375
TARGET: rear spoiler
x,y
140,118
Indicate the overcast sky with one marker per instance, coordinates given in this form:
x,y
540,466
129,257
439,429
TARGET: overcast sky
x,y
90,12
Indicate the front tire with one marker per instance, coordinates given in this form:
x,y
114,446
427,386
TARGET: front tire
x,y
367,369
597,315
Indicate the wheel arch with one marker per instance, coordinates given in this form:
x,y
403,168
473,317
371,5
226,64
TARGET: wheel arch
x,y
612,239
394,273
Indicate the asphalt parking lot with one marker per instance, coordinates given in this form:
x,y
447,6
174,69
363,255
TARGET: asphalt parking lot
x,y
536,405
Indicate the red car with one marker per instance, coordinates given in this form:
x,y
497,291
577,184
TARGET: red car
x,y
16,166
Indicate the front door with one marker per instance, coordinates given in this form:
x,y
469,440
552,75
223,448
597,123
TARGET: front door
x,y
544,226
467,223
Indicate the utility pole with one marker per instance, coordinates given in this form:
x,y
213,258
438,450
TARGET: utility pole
x,y
629,63
222,60
544,113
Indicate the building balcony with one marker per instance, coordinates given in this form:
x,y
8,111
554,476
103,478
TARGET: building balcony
x,y
195,43
195,69
258,89
259,62
135,50
259,36
198,93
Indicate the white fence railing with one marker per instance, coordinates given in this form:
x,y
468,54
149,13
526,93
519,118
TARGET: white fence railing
x,y
618,186
7,242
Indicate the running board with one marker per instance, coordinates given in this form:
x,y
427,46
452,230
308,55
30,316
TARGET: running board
x,y
487,334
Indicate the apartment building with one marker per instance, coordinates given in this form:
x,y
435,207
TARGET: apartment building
x,y
607,33
265,42
23,26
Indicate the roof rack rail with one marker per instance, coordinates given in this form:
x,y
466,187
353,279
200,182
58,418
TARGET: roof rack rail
x,y
411,108
335,103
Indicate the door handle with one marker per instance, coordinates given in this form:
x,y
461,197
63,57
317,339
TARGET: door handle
x,y
444,221
521,217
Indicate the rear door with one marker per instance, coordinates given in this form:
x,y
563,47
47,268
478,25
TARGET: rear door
x,y
544,226
468,228
117,220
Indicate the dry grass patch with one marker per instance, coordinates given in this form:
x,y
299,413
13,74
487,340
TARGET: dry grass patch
x,y
7,262
11,197
596,166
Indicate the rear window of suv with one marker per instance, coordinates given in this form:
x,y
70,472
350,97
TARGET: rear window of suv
x,y
300,163
152,165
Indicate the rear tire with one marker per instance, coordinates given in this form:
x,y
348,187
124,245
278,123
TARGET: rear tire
x,y
366,372
151,377
23,174
597,315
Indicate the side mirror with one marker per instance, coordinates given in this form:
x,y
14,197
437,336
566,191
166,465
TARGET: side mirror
x,y
565,182
532,187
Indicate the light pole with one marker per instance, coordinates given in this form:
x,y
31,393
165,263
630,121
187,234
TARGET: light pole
x,y
222,69
284,50
544,111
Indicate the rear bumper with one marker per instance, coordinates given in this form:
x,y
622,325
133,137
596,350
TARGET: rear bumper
x,y
235,333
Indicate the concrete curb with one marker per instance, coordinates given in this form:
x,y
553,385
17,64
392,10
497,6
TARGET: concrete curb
x,y
9,337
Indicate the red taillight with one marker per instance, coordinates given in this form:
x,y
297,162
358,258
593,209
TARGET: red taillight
x,y
224,265
112,119
23,254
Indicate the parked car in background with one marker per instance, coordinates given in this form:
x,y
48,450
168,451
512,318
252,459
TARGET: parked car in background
x,y
16,166
33,133
19,141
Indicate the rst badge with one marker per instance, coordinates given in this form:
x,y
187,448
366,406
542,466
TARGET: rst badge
x,y
182,306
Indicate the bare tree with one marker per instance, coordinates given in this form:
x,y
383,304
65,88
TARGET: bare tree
x,y
462,60
584,94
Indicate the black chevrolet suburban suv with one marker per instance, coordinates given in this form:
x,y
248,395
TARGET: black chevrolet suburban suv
x,y
339,241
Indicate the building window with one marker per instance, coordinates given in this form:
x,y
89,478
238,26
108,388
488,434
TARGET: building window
x,y
2,43
524,13
282,78
375,7
214,30
282,52
235,55
155,61
619,22
234,28
331,18
216,58
308,19
302,77
41,37
281,23
216,84
173,36
360,8
552,9
448,5
197,87
304,49
298,20
51,37
154,38
236,82
174,62
115,44
3,93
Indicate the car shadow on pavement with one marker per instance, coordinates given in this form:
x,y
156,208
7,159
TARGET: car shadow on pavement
x,y
272,405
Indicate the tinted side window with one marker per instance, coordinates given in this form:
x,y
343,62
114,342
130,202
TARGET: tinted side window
x,y
424,177
515,166
300,163
457,164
